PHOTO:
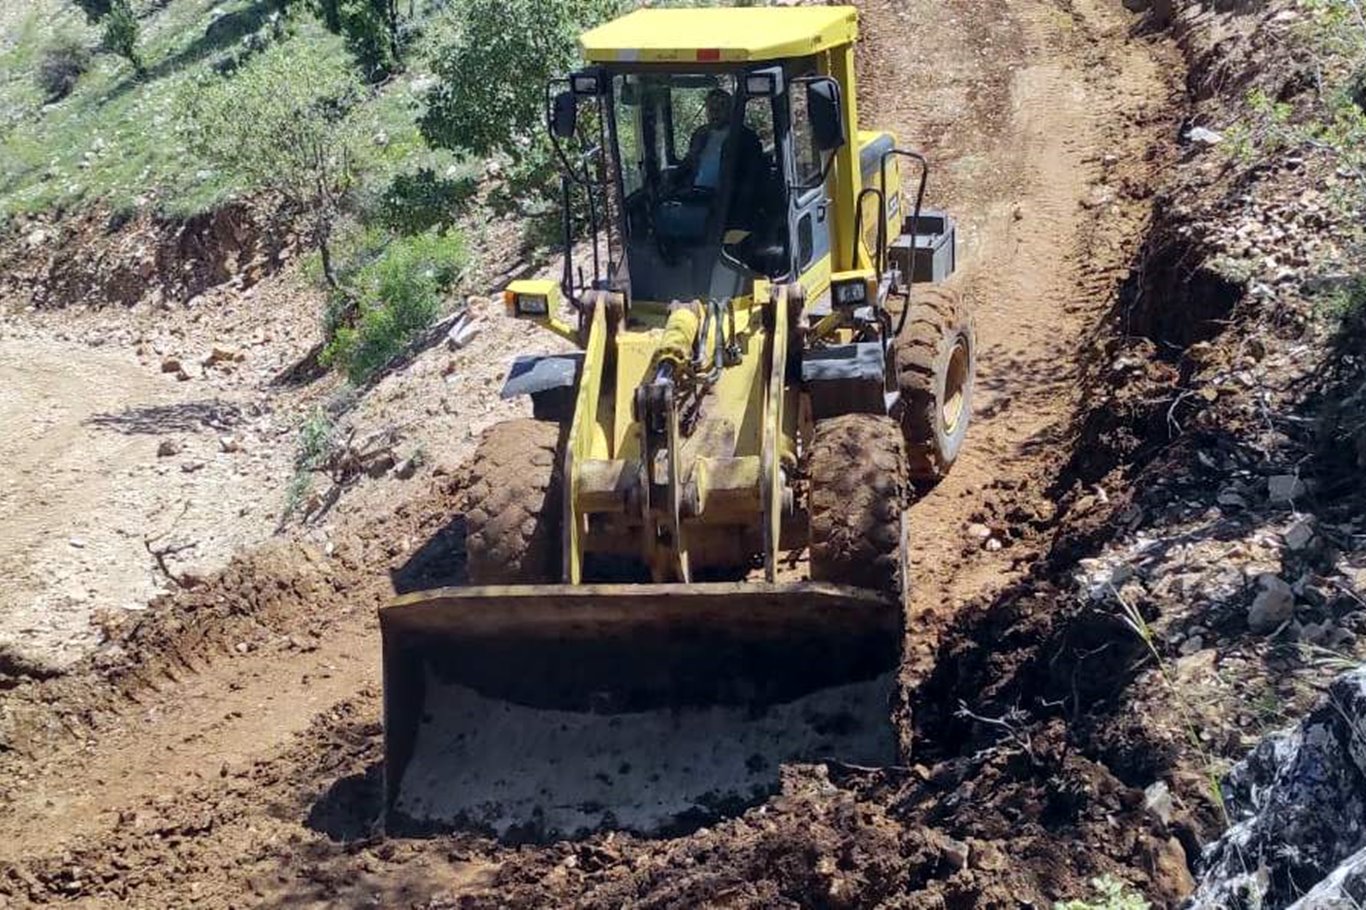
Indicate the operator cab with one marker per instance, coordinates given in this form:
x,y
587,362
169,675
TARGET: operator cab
x,y
701,175
711,170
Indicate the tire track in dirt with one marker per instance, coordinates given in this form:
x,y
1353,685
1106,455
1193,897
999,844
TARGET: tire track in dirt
x,y
232,780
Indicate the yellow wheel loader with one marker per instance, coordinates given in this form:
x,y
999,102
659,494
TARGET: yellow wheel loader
x,y
688,567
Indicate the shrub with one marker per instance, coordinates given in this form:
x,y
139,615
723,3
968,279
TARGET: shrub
x,y
61,66
1111,894
94,10
121,32
398,296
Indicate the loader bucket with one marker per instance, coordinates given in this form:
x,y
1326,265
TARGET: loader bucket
x,y
548,712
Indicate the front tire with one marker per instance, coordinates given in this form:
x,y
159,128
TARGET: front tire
x,y
859,493
514,505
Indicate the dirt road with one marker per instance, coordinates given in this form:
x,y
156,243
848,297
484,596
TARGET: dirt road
x,y
231,758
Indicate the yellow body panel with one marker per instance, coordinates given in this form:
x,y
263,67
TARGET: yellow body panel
x,y
581,440
720,34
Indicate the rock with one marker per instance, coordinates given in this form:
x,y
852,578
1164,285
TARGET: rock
x,y
1297,804
1231,499
190,467
77,542
1315,633
1192,645
980,531
1273,605
381,465
464,330
408,467
1299,535
1202,136
223,354
993,544
37,238
1284,488
303,643
955,853
1157,801
170,365
229,444
242,647
167,447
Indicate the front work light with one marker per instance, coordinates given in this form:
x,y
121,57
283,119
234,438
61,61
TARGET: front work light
x,y
585,82
850,289
536,299
763,83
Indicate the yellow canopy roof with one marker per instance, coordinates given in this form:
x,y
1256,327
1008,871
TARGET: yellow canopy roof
x,y
720,35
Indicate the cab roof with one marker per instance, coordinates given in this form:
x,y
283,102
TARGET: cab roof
x,y
720,35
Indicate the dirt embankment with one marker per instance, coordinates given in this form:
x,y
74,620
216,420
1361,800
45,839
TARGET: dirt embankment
x,y
103,258
224,748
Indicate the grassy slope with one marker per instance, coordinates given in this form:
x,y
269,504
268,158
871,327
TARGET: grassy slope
x,y
114,139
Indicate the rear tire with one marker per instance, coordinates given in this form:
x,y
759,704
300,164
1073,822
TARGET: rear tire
x,y
936,362
513,505
859,492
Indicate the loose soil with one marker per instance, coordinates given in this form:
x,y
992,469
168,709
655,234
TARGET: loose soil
x,y
224,748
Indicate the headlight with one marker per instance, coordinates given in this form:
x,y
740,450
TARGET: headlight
x,y
532,298
585,82
759,85
532,305
851,293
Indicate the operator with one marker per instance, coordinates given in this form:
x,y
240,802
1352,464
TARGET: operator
x,y
702,164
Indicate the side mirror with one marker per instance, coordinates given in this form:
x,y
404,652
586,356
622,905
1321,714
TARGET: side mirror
x,y
823,107
564,115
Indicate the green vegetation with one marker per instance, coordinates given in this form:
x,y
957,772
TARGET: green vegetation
x,y
367,119
317,438
61,66
395,286
282,123
121,33
1111,894
490,95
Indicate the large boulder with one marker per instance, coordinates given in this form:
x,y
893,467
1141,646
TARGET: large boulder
x,y
1298,807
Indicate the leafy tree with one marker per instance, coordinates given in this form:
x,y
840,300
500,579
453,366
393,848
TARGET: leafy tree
x,y
121,32
490,97
281,124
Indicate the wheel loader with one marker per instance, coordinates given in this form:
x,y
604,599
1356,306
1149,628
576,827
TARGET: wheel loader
x,y
688,566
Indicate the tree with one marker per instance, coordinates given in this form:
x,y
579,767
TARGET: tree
x,y
371,30
120,27
490,98
121,32
281,124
